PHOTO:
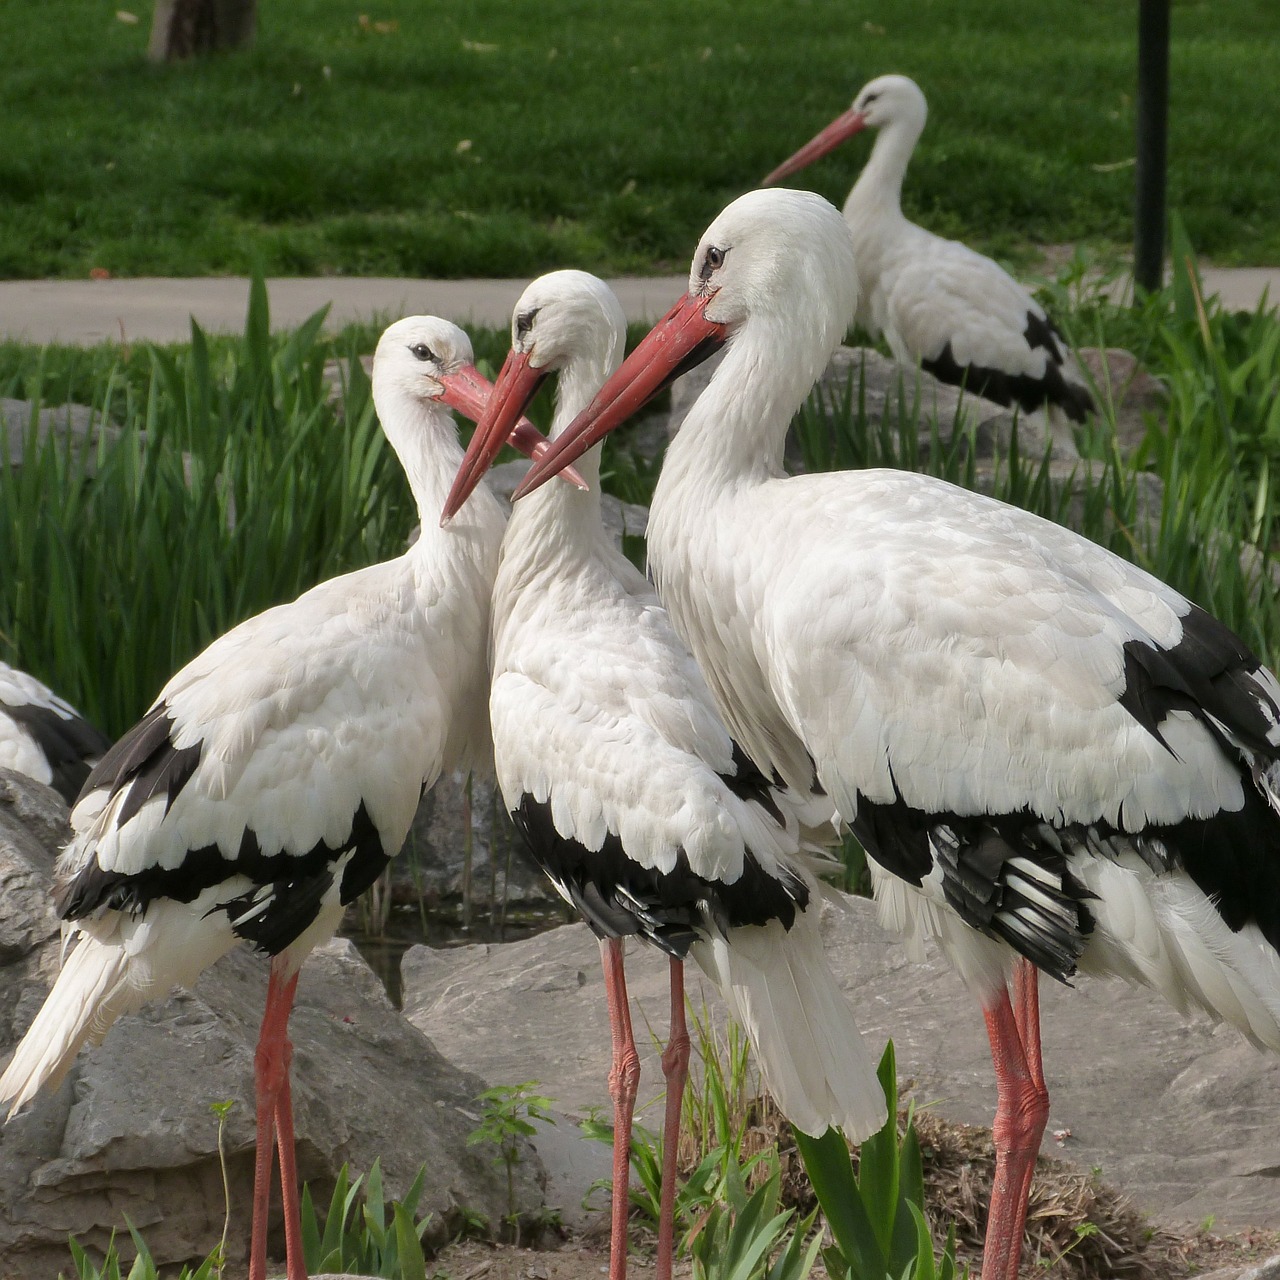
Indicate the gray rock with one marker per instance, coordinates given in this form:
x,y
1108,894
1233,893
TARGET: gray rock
x,y
1133,394
1268,1270
33,825
131,1131
73,426
1180,1114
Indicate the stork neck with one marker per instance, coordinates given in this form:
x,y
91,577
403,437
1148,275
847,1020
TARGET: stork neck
x,y
577,381
879,185
733,436
425,440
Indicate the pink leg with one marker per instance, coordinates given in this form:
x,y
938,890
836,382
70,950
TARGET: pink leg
x,y
275,1113
624,1082
295,1261
264,1149
1026,1012
675,1066
1022,1109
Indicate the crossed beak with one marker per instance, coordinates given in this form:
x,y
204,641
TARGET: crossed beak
x,y
842,127
682,339
469,392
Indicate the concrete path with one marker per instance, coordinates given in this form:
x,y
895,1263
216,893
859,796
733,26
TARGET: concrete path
x,y
84,312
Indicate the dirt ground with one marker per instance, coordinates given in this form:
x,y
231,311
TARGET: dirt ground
x,y
1116,1242
578,1259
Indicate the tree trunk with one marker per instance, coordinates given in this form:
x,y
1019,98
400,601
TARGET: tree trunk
x,y
184,28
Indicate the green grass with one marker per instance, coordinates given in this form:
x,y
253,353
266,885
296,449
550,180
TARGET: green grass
x,y
603,136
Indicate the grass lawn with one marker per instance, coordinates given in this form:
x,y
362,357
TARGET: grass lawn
x,y
503,139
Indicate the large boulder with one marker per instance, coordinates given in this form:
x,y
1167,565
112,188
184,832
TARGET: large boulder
x,y
1180,1113
132,1131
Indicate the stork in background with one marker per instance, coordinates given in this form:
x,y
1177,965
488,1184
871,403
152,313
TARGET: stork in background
x,y
44,736
629,791
957,314
277,772
1055,761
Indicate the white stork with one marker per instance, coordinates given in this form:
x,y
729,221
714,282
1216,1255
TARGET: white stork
x,y
44,736
279,770
630,792
1054,760
939,304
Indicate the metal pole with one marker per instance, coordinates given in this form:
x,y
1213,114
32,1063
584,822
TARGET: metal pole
x,y
1152,149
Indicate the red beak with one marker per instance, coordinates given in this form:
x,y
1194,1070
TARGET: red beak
x,y
517,384
472,394
842,127
682,339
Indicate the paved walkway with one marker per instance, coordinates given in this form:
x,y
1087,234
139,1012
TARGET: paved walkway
x,y
83,312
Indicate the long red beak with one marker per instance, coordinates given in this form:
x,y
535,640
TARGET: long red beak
x,y
469,392
842,127
517,384
681,340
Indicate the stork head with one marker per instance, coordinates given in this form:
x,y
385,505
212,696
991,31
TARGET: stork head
x,y
779,262
425,358
565,320
886,100
889,99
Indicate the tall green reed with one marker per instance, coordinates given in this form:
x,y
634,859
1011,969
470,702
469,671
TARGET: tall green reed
x,y
231,478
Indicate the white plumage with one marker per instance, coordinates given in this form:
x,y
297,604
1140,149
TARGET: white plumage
x,y
1049,754
612,759
936,301
280,769
44,736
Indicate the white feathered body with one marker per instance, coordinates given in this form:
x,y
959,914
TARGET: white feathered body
x,y
1045,750
936,301
278,771
636,802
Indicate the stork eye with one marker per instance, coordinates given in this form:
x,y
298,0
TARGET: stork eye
x,y
524,322
421,351
869,99
712,260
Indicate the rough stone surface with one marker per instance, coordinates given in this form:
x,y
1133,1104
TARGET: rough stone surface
x,y
73,424
1268,1270
1181,1114
547,995
1135,395
33,825
131,1130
